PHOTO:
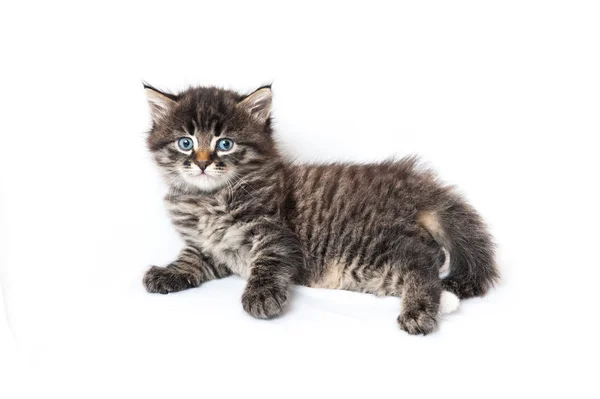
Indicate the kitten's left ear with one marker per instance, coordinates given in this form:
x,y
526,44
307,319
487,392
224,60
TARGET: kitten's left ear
x,y
258,104
160,103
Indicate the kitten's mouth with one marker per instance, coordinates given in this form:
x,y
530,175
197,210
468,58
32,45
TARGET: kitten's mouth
x,y
205,176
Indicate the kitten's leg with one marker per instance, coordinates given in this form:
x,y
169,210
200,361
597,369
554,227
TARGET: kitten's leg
x,y
189,270
420,302
277,260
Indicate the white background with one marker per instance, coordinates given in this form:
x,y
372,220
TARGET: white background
x,y
502,98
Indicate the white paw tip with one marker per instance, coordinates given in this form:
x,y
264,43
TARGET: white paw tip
x,y
448,302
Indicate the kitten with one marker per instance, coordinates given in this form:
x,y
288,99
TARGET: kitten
x,y
242,208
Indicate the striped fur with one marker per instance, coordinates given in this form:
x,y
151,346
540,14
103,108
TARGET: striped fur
x,y
377,228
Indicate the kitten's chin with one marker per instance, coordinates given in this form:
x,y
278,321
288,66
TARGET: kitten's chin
x,y
205,182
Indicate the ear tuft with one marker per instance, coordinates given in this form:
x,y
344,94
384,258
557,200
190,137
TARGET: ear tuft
x,y
258,104
160,102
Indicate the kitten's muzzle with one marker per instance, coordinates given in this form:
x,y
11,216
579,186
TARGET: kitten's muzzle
x,y
202,164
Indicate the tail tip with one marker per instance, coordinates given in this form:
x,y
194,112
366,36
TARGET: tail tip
x,y
449,302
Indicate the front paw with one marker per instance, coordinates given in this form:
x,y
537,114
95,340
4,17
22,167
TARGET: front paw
x,y
417,321
168,279
264,302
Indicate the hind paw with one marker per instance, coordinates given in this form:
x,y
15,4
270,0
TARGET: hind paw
x,y
417,322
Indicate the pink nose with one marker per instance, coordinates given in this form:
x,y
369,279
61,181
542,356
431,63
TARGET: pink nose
x,y
202,164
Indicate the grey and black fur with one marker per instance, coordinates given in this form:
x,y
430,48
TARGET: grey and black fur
x,y
377,228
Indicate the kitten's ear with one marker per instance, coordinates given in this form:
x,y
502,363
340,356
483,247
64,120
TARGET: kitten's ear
x,y
258,104
160,103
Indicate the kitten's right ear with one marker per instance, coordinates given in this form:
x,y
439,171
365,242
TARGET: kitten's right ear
x,y
160,102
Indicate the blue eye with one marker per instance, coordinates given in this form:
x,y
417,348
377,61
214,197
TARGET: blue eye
x,y
224,144
185,143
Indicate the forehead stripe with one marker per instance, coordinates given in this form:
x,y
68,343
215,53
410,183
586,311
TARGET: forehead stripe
x,y
218,128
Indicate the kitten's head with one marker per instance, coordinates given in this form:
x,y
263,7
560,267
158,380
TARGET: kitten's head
x,y
206,137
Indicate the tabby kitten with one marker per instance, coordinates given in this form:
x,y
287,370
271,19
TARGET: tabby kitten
x,y
242,208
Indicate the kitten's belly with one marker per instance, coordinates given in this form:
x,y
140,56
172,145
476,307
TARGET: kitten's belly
x,y
383,281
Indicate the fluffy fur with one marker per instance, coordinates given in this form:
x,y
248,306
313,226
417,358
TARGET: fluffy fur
x,y
379,228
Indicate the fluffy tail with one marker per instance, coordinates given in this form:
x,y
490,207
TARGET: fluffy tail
x,y
458,228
